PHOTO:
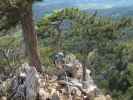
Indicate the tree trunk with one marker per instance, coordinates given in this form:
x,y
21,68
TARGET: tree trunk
x,y
30,38
84,71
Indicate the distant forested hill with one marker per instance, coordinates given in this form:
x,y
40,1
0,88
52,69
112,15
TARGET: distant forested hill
x,y
41,8
118,11
44,8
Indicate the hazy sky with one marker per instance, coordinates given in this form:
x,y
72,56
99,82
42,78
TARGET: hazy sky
x,y
90,3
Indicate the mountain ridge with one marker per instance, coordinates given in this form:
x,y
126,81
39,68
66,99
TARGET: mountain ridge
x,y
42,10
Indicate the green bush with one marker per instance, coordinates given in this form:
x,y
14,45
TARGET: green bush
x,y
45,55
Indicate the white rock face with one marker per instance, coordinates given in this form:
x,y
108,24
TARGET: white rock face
x,y
91,86
77,74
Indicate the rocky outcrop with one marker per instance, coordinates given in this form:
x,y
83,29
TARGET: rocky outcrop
x,y
24,85
65,84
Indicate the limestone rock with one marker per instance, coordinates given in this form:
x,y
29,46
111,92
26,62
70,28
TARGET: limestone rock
x,y
100,97
3,98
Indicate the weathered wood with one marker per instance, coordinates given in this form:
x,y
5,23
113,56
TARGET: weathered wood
x,y
25,86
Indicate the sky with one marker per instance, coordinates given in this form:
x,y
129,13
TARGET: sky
x,y
85,4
